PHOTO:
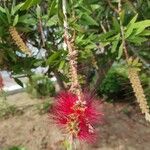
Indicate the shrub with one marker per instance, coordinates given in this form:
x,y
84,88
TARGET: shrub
x,y
116,83
110,84
40,86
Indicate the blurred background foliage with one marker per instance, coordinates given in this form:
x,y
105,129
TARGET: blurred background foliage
x,y
97,32
40,86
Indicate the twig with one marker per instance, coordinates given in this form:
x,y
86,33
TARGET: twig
x,y
103,28
112,6
41,32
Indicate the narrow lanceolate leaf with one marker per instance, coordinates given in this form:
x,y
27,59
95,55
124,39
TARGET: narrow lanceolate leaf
x,y
2,10
15,20
29,3
120,52
122,15
52,9
18,82
145,33
130,26
115,44
52,21
116,24
89,19
137,39
38,11
3,18
60,12
8,15
52,58
139,30
106,35
133,20
16,8
27,19
61,65
144,23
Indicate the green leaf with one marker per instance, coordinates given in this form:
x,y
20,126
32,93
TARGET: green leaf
x,y
15,20
91,46
12,55
52,21
38,11
29,3
130,26
78,28
120,52
148,2
106,35
2,10
52,8
52,58
61,65
122,14
137,40
144,23
133,20
114,46
116,24
27,19
115,43
140,26
114,38
18,82
145,33
3,19
1,31
38,63
86,8
60,12
95,6
16,8
8,15
89,20
139,30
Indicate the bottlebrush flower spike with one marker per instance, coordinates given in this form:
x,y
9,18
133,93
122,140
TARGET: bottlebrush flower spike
x,y
18,40
75,117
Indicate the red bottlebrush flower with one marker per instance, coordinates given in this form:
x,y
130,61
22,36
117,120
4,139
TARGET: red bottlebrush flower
x,y
77,117
1,82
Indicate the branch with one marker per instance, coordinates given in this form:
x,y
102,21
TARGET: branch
x,y
102,26
112,6
41,32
